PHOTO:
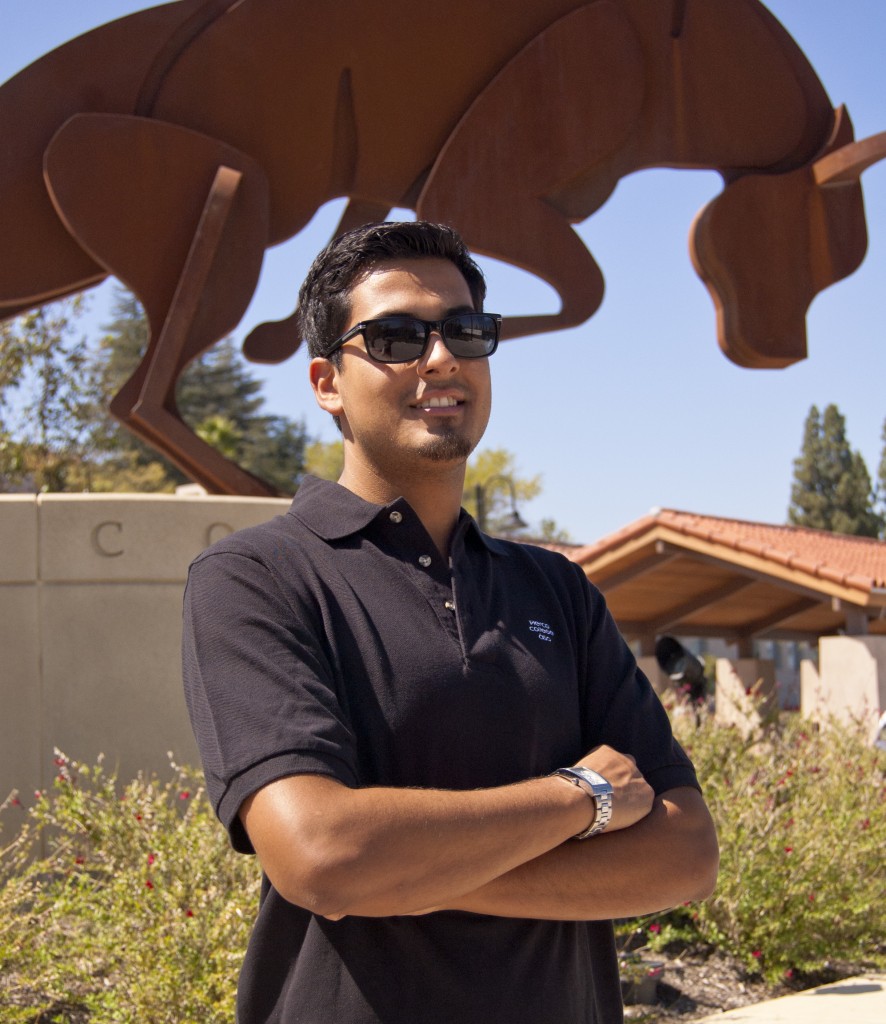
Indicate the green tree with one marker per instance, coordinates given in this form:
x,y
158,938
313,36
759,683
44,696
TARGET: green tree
x,y
881,484
126,463
494,491
490,476
216,395
832,487
47,401
325,459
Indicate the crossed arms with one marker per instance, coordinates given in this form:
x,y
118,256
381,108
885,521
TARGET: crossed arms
x,y
505,851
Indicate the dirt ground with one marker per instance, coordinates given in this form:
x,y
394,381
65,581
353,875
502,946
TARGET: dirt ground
x,y
700,983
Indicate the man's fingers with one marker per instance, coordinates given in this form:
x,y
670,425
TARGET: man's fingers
x,y
632,795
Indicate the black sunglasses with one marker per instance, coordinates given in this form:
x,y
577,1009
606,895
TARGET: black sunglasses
x,y
402,339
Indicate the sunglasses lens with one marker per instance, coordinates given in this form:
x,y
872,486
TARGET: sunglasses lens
x,y
401,339
471,335
395,339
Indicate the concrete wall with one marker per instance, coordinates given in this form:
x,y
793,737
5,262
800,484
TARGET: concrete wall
x,y
90,626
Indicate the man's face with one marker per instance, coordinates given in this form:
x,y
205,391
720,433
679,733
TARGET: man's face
x,y
432,410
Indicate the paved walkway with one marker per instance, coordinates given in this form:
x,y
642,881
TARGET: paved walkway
x,y
859,1000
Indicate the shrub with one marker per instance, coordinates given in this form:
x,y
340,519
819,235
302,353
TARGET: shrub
x,y
801,816
121,904
124,904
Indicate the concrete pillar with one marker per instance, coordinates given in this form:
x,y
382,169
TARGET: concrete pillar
x,y
811,697
650,668
745,693
853,680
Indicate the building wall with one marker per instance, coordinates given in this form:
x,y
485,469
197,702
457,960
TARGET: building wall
x,y
90,626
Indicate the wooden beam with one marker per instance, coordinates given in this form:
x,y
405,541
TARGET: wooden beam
x,y
639,568
775,618
771,570
708,597
856,619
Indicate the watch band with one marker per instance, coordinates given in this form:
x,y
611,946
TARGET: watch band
x,y
595,786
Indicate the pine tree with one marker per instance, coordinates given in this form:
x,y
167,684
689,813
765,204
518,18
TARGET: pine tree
x,y
832,487
881,484
217,397
57,433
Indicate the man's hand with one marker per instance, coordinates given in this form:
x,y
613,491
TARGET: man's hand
x,y
631,794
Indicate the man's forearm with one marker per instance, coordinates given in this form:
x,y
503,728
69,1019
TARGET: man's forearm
x,y
381,852
666,858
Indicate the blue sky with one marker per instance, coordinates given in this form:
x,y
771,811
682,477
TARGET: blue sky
x,y
637,408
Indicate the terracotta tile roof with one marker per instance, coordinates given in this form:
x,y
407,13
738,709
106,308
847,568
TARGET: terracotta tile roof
x,y
857,562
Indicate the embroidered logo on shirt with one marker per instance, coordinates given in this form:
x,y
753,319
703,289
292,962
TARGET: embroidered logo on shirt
x,y
542,630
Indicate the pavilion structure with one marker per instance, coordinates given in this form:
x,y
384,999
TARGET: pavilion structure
x,y
690,575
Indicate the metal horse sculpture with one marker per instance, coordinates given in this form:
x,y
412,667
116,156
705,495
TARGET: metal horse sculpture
x,y
172,147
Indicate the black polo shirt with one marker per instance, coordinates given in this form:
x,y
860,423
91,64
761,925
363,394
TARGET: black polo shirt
x,y
336,640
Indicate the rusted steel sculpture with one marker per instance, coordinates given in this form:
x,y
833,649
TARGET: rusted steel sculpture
x,y
172,147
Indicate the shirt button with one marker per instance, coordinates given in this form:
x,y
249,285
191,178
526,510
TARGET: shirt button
x,y
396,517
424,560
449,606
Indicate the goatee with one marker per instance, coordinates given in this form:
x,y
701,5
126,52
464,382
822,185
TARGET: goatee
x,y
449,447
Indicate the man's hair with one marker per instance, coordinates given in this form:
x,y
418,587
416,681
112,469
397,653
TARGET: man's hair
x,y
324,299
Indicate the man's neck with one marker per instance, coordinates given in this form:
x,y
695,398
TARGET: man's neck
x,y
435,496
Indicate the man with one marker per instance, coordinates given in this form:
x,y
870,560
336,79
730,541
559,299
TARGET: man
x,y
381,695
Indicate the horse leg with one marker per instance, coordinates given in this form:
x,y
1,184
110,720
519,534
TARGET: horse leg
x,y
518,169
182,220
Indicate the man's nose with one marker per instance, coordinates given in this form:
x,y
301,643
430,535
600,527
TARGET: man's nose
x,y
437,358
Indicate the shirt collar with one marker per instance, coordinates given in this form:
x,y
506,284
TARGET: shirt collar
x,y
333,512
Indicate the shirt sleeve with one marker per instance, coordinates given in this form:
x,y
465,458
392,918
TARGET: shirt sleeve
x,y
259,685
621,708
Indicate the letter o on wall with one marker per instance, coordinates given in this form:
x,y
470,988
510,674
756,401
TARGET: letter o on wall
x,y
106,538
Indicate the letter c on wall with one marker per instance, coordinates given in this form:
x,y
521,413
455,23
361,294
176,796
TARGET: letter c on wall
x,y
216,531
101,539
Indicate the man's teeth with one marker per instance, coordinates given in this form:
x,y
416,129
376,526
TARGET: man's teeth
x,y
438,403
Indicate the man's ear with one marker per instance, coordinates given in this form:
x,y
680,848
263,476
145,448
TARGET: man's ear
x,y
323,375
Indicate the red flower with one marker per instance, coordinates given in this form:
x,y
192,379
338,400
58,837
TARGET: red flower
x,y
757,954
16,802
866,824
189,912
151,858
789,849
184,794
655,928
789,973
138,817
79,860
811,897
149,884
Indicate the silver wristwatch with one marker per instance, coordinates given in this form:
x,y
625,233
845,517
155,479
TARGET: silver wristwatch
x,y
596,786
